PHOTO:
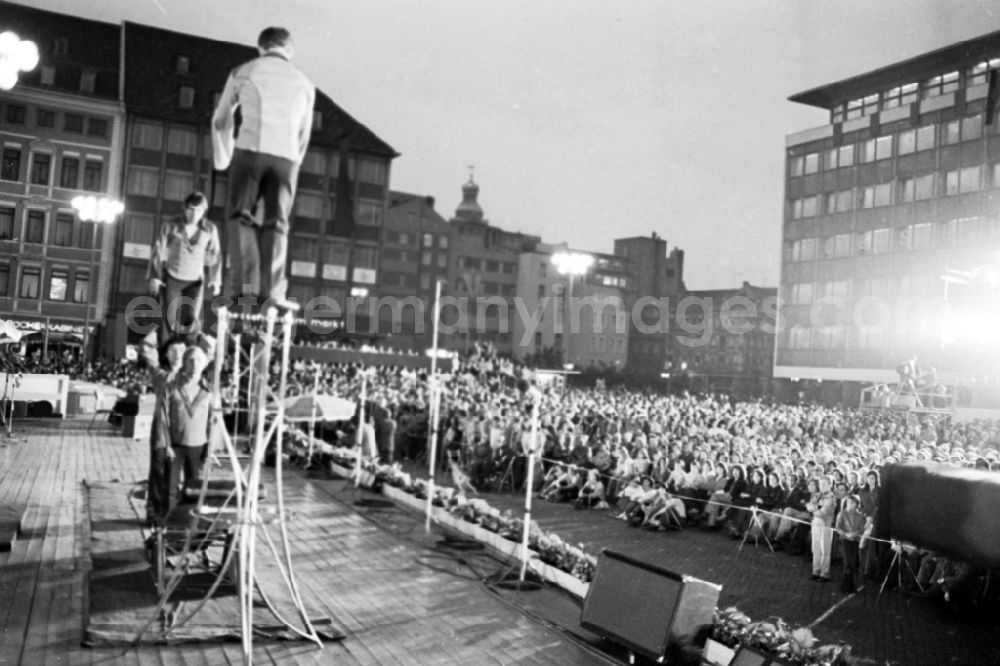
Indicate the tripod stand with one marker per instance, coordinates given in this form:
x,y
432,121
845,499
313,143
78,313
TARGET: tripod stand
x,y
508,476
756,526
897,560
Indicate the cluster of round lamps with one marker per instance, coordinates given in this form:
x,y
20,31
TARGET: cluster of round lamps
x,y
16,55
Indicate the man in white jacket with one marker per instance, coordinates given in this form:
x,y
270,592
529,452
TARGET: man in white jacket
x,y
276,106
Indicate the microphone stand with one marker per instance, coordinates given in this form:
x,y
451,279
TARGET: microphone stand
x,y
530,482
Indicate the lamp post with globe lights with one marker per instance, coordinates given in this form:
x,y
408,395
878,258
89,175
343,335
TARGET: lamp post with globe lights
x,y
16,55
572,265
99,211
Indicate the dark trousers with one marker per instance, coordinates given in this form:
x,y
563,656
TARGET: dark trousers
x,y
852,565
190,459
181,303
158,487
256,252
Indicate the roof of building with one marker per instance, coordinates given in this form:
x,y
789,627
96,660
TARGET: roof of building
x,y
926,65
152,80
71,45
747,289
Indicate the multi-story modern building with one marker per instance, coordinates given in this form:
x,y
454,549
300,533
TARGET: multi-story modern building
x,y
171,84
888,202
482,276
62,132
722,340
588,330
654,276
413,256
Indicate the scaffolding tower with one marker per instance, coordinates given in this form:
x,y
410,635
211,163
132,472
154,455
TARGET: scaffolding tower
x,y
240,520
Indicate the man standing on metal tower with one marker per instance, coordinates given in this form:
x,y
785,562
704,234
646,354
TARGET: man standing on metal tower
x,y
275,100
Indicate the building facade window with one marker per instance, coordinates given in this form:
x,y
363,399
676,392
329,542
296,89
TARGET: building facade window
x,y
4,280
796,166
45,118
883,147
41,169
951,132
372,171
182,64
148,136
69,174
93,175
88,235
88,81
182,141
924,187
31,279
906,142
143,181
369,214
881,240
177,185
940,85
309,205
969,179
58,283
16,114
812,163
48,75
845,155
972,128
979,73
62,230
185,97
11,168
6,223
81,286
34,227
883,194
900,95
73,123
868,151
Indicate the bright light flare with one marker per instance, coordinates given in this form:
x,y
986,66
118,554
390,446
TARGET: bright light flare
x,y
97,209
16,55
572,263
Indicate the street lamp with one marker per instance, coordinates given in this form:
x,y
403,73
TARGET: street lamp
x,y
570,264
99,210
16,55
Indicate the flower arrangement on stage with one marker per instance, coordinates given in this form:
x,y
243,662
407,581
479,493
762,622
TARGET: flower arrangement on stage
x,y
795,645
732,627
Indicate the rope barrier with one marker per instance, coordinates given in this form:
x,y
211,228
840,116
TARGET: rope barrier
x,y
709,500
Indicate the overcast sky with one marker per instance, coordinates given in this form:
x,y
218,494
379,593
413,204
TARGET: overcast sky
x,y
589,120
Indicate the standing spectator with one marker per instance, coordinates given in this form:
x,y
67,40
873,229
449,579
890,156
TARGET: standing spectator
x,y
160,452
794,508
189,408
276,101
850,526
822,507
185,255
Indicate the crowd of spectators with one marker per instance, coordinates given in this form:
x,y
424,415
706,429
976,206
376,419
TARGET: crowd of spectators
x,y
806,477
119,374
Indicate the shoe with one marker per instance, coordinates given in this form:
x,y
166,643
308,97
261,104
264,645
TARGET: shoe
x,y
824,579
814,577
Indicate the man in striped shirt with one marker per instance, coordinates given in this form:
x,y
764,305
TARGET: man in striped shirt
x,y
185,256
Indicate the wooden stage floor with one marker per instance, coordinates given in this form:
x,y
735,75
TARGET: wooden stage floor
x,y
397,601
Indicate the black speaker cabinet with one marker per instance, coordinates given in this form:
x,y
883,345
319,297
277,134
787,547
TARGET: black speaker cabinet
x,y
646,608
